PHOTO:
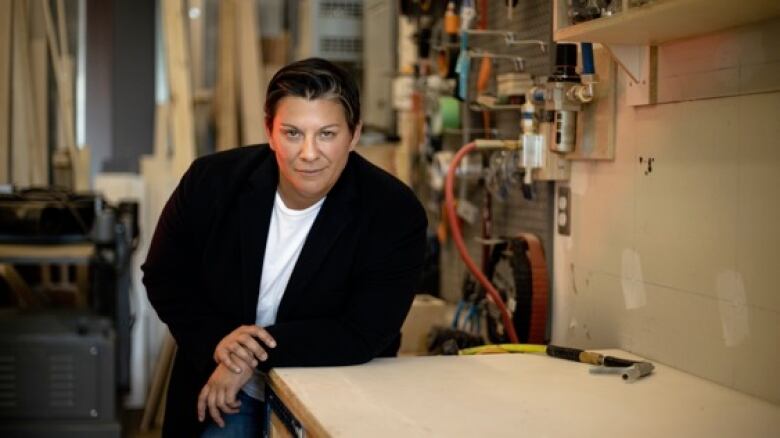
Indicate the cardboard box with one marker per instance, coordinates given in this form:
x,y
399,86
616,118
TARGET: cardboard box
x,y
427,311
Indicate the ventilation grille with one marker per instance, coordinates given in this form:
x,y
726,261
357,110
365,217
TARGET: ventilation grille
x,y
349,45
343,9
62,381
8,395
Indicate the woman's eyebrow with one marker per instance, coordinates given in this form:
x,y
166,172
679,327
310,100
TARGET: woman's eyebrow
x,y
287,125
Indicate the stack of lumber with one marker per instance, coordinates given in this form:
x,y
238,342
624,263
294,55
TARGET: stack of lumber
x,y
29,41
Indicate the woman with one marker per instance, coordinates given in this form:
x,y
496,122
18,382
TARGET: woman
x,y
295,253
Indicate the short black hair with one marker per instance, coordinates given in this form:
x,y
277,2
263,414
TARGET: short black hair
x,y
314,78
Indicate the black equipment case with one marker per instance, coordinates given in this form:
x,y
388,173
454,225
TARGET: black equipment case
x,y
57,375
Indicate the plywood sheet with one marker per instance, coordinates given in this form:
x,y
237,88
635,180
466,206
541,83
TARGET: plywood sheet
x,y
448,396
685,204
757,183
596,122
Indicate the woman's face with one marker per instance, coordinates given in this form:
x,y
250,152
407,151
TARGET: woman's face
x,y
312,141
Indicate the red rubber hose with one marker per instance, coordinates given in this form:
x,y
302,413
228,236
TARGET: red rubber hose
x,y
457,236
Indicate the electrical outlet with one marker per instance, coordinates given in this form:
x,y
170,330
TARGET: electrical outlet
x,y
563,210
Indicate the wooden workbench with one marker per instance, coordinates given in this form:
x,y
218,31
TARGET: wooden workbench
x,y
513,395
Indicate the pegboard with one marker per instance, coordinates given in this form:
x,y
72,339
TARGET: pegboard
x,y
531,20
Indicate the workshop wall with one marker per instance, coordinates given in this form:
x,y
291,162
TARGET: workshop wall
x,y
676,259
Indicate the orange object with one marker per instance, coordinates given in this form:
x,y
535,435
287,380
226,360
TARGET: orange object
x,y
483,79
483,14
540,285
451,20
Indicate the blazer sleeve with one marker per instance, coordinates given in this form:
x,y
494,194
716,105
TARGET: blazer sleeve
x,y
383,289
170,275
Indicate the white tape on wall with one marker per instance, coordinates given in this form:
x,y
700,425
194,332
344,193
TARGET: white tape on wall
x,y
632,280
732,304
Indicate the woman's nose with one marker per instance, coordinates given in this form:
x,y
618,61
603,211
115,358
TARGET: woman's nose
x,y
309,149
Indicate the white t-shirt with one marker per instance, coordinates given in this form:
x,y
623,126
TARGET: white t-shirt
x,y
286,236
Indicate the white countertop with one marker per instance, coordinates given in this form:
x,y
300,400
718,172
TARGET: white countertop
x,y
515,395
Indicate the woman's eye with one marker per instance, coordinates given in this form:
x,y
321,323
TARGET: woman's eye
x,y
328,134
292,134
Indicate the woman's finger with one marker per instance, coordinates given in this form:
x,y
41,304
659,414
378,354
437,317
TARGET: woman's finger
x,y
262,334
241,352
202,398
224,357
220,399
249,342
213,410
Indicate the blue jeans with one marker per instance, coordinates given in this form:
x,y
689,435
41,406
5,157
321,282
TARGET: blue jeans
x,y
247,422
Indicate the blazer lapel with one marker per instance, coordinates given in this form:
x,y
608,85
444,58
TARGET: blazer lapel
x,y
336,213
255,207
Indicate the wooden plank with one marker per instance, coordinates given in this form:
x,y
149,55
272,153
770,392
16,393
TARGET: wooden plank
x,y
63,66
664,20
202,108
251,98
296,406
39,153
80,157
197,42
72,252
80,160
596,123
25,297
540,395
157,389
62,28
5,88
161,132
65,90
23,133
159,417
182,132
225,102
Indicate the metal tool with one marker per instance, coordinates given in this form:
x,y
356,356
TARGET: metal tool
x,y
630,370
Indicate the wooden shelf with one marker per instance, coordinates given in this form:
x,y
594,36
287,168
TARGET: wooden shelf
x,y
476,106
52,253
664,20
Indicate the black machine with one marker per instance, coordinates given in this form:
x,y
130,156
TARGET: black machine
x,y
64,345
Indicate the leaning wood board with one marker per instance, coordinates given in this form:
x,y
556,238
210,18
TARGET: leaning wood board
x,y
225,99
250,97
5,87
181,115
513,395
23,132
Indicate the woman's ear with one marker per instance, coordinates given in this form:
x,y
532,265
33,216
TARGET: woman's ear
x,y
356,136
268,135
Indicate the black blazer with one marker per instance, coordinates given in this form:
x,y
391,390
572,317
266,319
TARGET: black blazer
x,y
348,294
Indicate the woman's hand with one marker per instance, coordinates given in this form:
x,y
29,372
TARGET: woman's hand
x,y
242,344
219,393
